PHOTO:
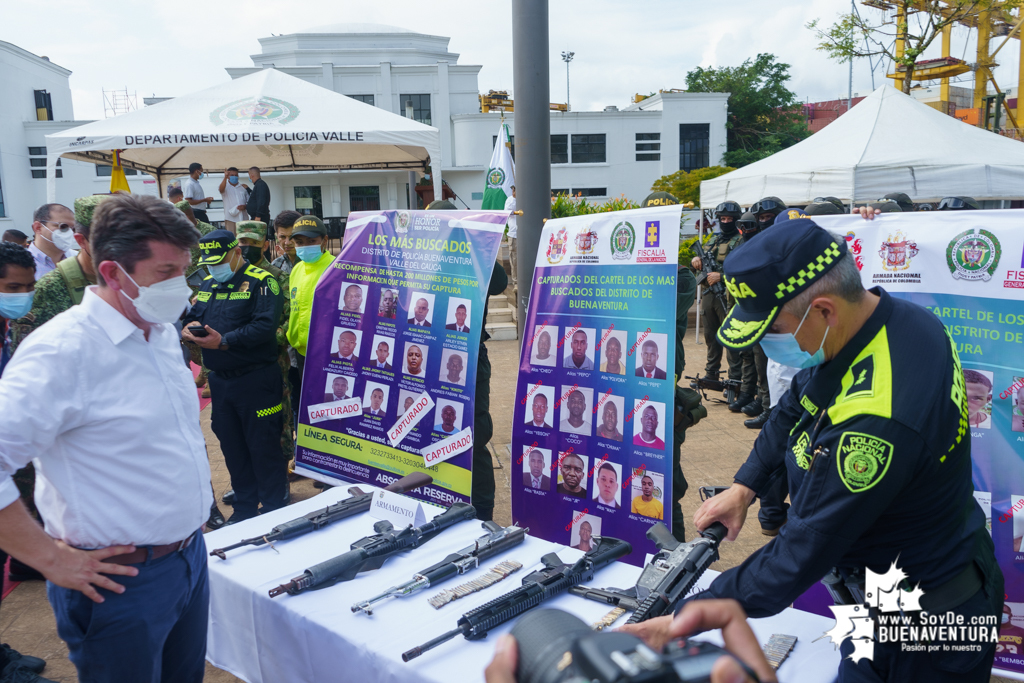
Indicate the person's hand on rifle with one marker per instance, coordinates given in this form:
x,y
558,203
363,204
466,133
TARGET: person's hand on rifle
x,y
697,263
729,507
714,277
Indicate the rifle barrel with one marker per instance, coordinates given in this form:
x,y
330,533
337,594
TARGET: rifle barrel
x,y
430,645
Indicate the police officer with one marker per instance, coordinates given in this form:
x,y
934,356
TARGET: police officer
x,y
876,452
712,310
239,309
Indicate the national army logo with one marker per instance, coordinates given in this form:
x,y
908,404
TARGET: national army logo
x,y
973,255
623,241
495,178
254,110
557,246
586,240
896,252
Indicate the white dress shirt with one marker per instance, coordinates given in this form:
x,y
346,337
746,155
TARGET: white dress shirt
x,y
44,264
233,196
510,205
111,423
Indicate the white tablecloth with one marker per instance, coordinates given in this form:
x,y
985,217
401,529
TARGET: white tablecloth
x,y
314,637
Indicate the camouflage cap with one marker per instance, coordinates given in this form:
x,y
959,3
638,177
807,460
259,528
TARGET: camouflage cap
x,y
253,230
85,206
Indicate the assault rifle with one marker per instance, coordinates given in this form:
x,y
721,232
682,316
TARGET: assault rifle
x,y
541,585
496,541
359,502
371,552
729,387
666,579
707,266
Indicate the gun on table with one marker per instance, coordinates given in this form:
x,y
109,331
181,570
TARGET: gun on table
x,y
707,266
497,540
666,579
359,502
371,552
541,585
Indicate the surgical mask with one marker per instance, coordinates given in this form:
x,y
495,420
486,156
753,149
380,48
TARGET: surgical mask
x,y
252,254
63,240
15,305
1006,618
233,179
309,254
221,272
784,348
162,302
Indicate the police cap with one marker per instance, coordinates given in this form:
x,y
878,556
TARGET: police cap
x,y
309,226
658,199
900,198
886,206
253,230
772,268
215,245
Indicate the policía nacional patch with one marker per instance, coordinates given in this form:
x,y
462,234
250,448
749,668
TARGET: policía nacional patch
x,y
862,460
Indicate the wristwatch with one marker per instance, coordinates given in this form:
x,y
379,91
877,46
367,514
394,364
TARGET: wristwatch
x,y
223,346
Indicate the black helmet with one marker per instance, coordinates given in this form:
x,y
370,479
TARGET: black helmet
x,y
658,199
747,224
958,204
834,201
441,205
886,206
900,198
772,205
822,208
731,209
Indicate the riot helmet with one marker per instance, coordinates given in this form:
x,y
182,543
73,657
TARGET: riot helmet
x,y
768,205
958,204
901,198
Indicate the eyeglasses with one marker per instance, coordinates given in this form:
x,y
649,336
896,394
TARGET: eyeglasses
x,y
61,226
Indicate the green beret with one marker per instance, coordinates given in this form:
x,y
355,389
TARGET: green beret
x,y
85,206
253,230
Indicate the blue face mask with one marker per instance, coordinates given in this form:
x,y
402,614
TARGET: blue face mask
x,y
309,254
221,272
233,179
783,348
15,305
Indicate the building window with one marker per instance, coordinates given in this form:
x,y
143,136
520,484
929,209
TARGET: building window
x,y
511,143
309,201
420,107
42,173
590,191
364,198
104,170
694,143
647,136
555,191
37,162
44,107
588,149
559,149
648,157
37,151
365,99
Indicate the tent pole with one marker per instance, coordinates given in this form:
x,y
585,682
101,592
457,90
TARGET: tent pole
x,y
435,170
51,178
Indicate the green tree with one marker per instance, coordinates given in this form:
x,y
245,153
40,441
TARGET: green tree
x,y
686,186
764,115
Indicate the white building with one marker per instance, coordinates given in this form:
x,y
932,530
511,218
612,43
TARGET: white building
x,y
599,154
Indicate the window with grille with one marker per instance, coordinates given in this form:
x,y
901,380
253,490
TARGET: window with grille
x,y
559,149
694,144
365,99
588,149
420,107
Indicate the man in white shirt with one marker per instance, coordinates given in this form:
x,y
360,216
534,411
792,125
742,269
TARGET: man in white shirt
x,y
234,196
54,228
510,205
194,194
123,482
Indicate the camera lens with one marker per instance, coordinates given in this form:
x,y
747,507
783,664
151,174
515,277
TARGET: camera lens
x,y
544,637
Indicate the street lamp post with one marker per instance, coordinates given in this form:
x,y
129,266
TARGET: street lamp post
x,y
567,57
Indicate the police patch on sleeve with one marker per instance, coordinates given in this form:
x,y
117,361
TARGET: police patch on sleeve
x,y
862,460
274,287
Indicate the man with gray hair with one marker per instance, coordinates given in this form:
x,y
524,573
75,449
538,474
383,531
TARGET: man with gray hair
x,y
877,454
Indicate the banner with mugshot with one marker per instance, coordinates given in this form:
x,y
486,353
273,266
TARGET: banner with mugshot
x,y
390,374
967,267
592,429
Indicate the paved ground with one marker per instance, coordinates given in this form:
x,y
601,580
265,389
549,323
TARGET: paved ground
x,y
713,451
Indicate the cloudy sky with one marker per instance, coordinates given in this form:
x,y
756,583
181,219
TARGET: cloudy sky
x,y
621,47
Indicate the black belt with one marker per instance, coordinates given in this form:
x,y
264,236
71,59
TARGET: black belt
x,y
954,592
235,374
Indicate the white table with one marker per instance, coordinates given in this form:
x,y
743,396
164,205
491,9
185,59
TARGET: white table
x,y
314,637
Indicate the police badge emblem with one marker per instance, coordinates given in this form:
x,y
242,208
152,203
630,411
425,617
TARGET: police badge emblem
x,y
402,221
623,241
973,255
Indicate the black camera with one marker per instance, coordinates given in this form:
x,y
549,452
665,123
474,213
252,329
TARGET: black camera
x,y
557,647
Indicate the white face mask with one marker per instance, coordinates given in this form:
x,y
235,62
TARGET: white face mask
x,y
163,302
62,239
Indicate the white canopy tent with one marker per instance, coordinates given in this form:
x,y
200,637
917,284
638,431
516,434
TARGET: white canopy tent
x,y
889,142
266,119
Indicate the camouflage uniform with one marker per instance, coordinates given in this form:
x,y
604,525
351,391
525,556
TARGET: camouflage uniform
x,y
195,354
257,230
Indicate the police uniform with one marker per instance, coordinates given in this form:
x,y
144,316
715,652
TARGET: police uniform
x,y
245,380
712,311
877,453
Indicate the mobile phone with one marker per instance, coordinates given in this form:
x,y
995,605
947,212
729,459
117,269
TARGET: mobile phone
x,y
198,331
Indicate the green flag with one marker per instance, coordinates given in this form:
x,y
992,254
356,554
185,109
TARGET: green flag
x,y
501,174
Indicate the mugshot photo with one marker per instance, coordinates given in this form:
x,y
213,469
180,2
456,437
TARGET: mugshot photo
x,y
651,355
539,407
649,424
387,305
646,490
459,314
1017,409
382,352
979,398
454,365
585,528
536,468
607,478
447,416
353,297
610,417
578,349
414,360
339,387
572,474
375,398
346,344
542,350
613,353
421,309
984,499
405,400
574,413
1018,521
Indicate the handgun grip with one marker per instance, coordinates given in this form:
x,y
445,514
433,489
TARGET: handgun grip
x,y
662,537
410,482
